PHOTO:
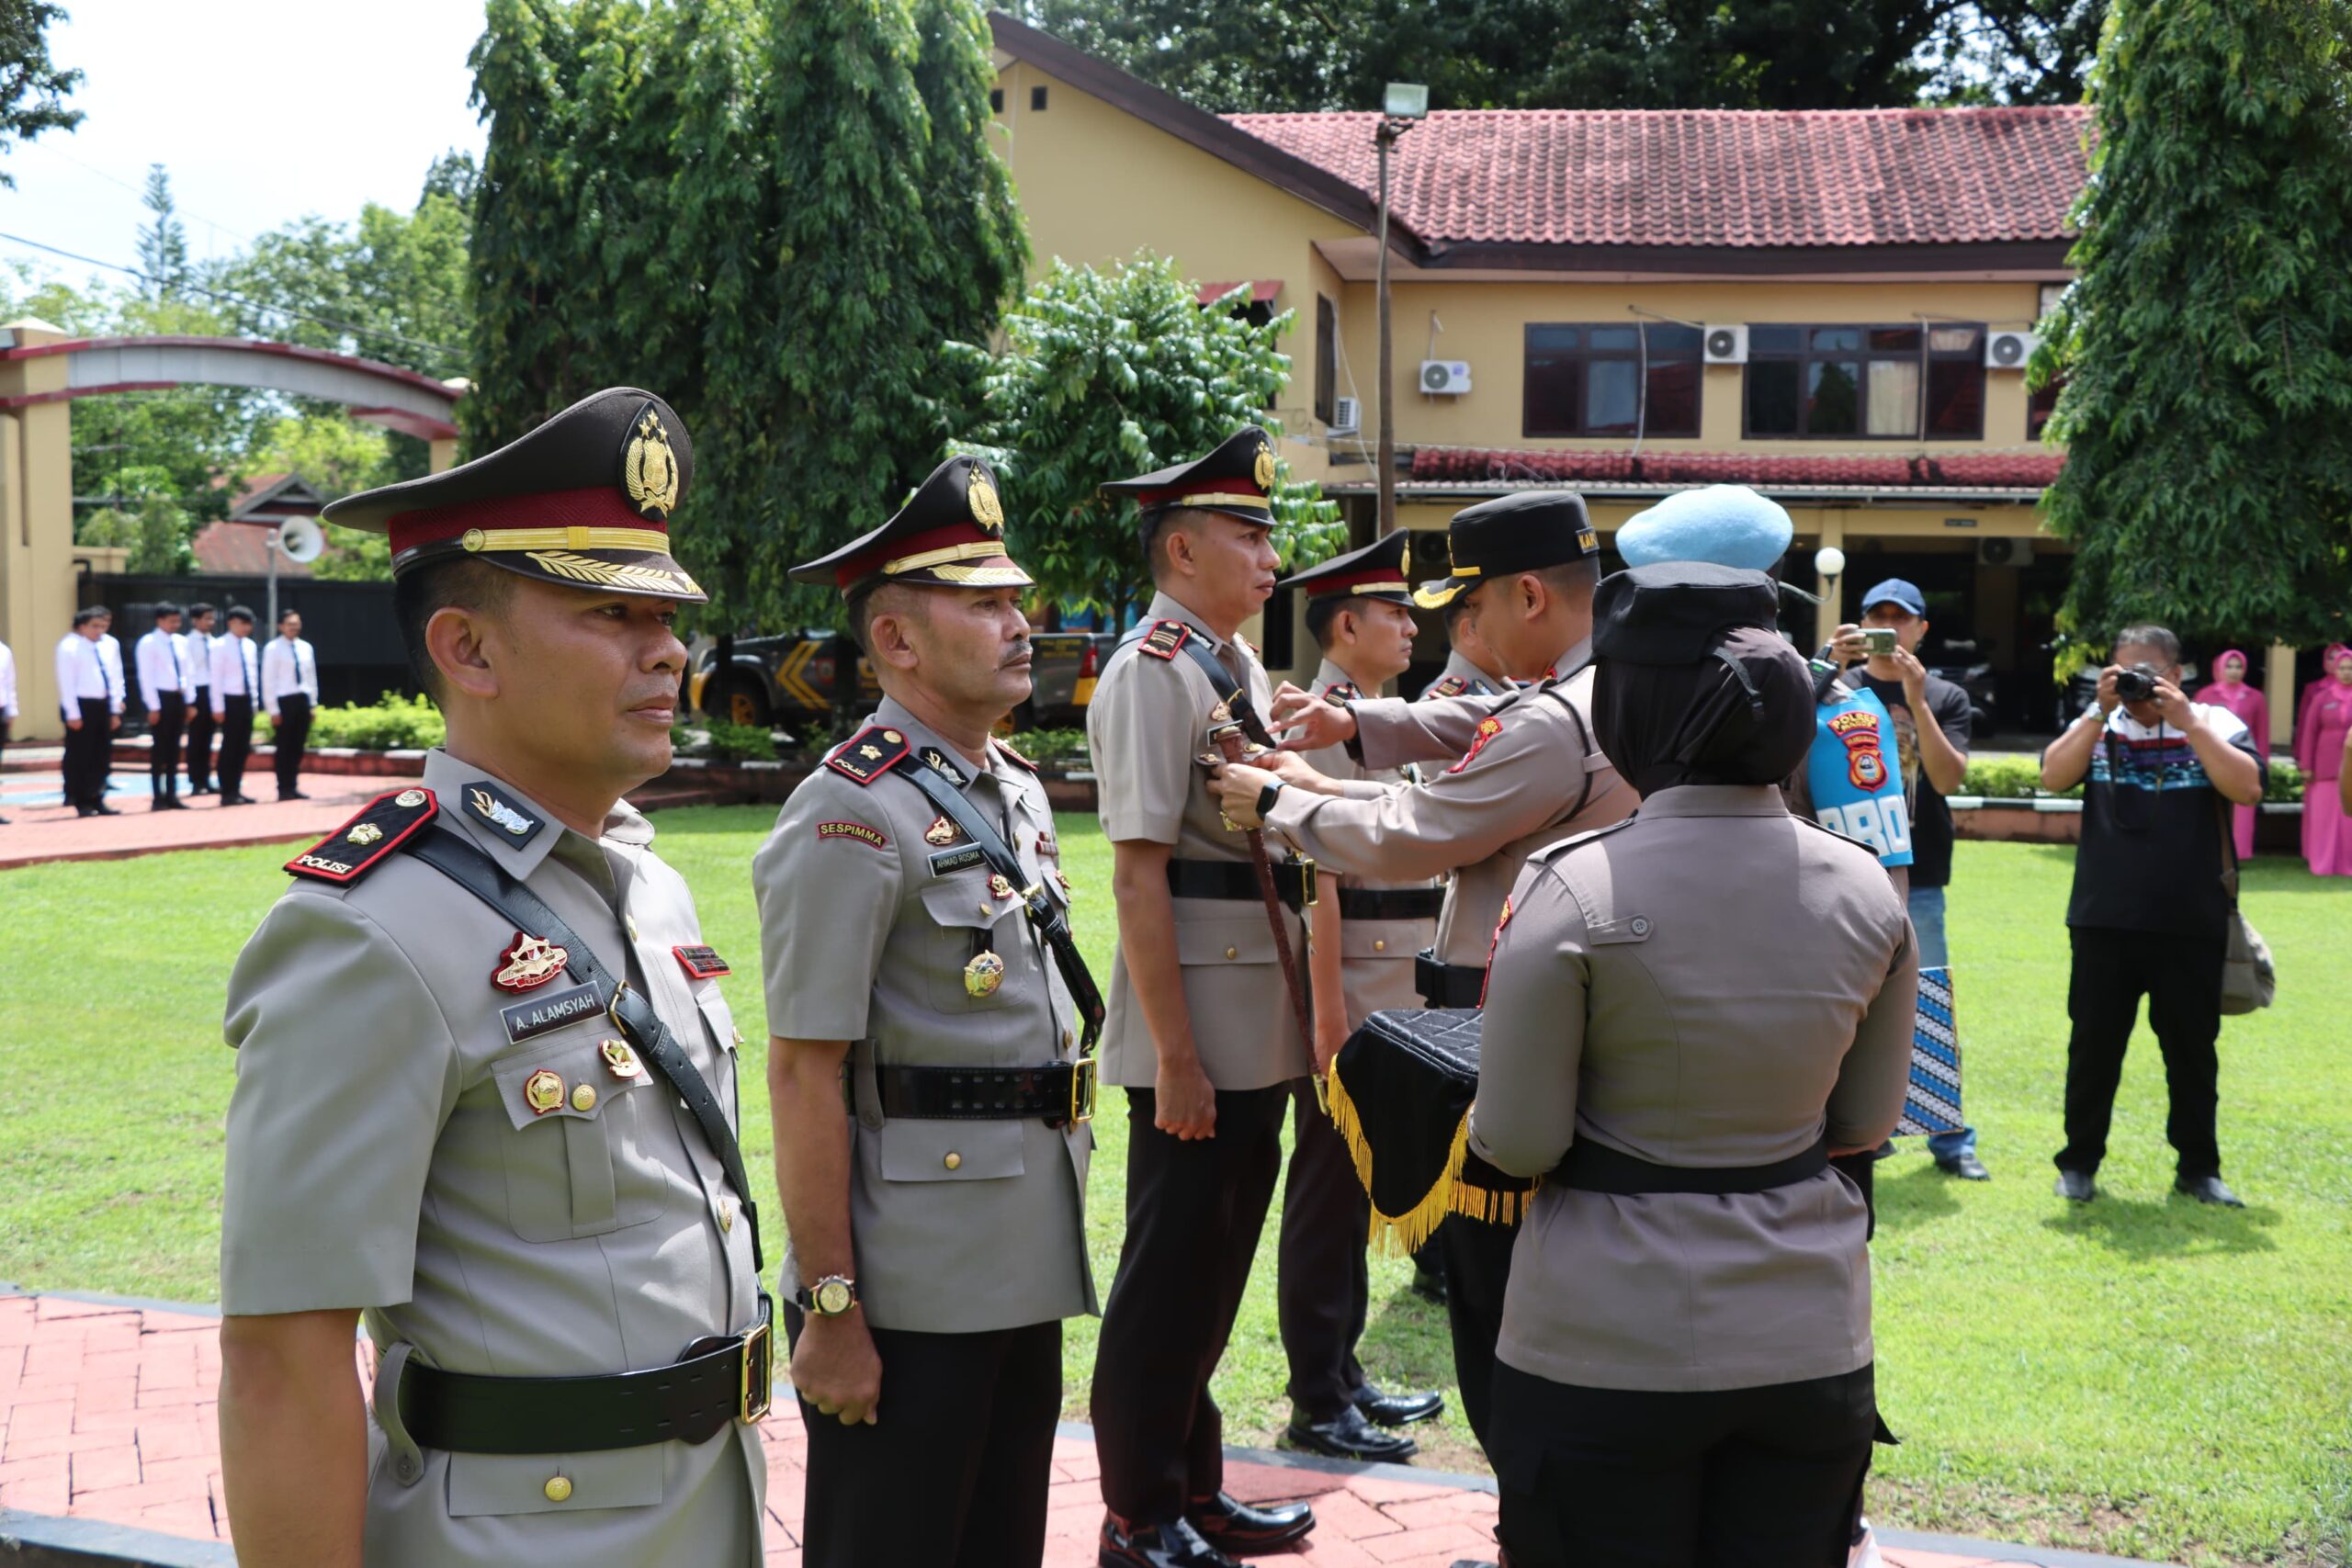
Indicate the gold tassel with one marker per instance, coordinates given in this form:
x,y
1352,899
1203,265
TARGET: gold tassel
x,y
1398,1235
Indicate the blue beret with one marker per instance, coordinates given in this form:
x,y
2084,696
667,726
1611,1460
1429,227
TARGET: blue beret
x,y
1728,524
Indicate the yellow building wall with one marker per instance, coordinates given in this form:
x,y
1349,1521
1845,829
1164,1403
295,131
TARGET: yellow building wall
x,y
36,529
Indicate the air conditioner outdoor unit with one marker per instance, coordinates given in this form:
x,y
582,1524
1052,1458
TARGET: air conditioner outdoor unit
x,y
1446,378
2004,552
1346,420
2009,351
1725,345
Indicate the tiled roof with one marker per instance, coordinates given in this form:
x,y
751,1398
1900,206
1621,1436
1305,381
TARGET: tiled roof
x,y
239,549
1711,178
1957,470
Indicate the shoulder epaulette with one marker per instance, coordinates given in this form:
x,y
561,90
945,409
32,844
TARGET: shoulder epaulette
x,y
348,853
1821,826
866,756
1012,756
1552,851
1164,638
1341,692
1248,644
1446,686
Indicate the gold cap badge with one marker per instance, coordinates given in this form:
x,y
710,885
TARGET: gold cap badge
x,y
986,510
649,468
1265,472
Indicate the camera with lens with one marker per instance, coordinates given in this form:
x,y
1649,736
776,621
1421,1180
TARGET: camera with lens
x,y
2137,684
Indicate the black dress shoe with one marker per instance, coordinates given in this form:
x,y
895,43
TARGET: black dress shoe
x,y
1238,1529
1348,1436
1175,1545
2209,1190
1968,1168
1384,1409
291,794
200,789
236,800
2077,1185
102,809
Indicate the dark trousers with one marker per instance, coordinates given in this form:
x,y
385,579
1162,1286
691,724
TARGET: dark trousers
x,y
1193,1214
293,731
163,758
2181,977
1475,1260
200,740
237,742
1619,1478
954,1473
1323,1287
86,752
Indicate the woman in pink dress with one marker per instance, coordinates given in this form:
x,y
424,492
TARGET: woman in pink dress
x,y
2319,751
2229,689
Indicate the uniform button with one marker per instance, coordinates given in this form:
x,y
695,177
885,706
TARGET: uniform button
x,y
585,1097
1233,953
954,1160
1641,926
559,1488
1379,944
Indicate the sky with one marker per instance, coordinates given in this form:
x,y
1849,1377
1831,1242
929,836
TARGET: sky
x,y
262,111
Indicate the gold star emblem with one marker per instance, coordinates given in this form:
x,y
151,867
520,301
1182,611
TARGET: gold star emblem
x,y
365,834
871,753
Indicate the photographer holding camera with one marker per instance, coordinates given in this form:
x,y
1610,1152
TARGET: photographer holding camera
x,y
2149,914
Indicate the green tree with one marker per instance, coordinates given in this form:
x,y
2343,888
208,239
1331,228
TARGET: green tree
x,y
163,244
156,529
32,89
775,215
2016,52
2206,345
1103,375
391,286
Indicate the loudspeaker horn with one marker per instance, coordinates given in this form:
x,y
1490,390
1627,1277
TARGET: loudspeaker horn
x,y
301,539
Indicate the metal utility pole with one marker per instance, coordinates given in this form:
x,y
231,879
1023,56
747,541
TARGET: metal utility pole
x,y
1403,103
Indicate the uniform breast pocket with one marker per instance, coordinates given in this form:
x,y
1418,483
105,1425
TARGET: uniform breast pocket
x,y
976,948
519,1484
579,1155
921,1150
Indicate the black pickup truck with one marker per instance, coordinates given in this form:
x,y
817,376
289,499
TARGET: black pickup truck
x,y
778,679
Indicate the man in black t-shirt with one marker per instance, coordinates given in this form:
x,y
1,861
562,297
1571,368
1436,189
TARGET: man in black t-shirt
x,y
1934,755
2149,914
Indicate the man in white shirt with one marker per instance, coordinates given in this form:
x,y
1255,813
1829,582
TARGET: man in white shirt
x,y
236,676
163,687
290,690
7,699
89,698
118,700
197,645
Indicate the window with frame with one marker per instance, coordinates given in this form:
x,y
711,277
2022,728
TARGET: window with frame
x,y
1595,379
1889,383
1327,359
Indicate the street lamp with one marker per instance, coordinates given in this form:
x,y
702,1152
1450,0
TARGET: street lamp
x,y
1402,103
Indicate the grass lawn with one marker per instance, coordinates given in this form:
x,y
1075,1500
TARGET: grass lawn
x,y
2140,1376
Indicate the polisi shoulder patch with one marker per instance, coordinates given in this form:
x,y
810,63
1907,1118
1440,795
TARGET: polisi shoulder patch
x,y
869,755
348,853
1164,638
1447,686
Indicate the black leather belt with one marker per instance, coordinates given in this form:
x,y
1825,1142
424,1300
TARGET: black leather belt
x,y
1391,903
1234,879
1448,984
1590,1167
1057,1094
718,1380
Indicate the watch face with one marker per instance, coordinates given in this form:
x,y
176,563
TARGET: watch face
x,y
833,1297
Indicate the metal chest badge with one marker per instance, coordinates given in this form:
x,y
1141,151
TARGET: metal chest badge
x,y
529,964
620,1060
543,1092
983,975
941,832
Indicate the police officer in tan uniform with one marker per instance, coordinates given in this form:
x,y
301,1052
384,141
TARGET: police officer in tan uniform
x,y
486,1078
1201,1032
1520,771
1685,1371
1470,670
922,977
1359,610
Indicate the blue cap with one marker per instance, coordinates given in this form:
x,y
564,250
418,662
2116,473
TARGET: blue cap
x,y
1727,524
1894,591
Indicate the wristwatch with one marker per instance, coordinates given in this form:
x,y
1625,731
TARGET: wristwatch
x,y
1266,798
829,1297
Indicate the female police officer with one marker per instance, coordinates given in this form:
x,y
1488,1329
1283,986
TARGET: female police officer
x,y
1686,1014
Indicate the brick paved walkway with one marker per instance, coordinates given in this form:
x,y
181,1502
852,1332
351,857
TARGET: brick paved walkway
x,y
106,1413
41,829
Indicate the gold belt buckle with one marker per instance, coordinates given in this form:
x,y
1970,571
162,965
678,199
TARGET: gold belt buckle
x,y
1309,894
612,1008
1081,1092
758,1389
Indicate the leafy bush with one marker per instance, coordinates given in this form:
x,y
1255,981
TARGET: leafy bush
x,y
392,723
739,742
2286,783
1054,748
2002,778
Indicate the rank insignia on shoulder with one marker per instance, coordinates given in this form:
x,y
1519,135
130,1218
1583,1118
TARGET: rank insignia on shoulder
x,y
1448,686
1164,638
701,963
531,962
866,757
858,831
1342,694
1012,756
1488,727
353,849
519,825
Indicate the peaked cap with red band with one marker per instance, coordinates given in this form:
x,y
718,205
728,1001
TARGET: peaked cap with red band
x,y
1376,571
950,534
585,500
1235,480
